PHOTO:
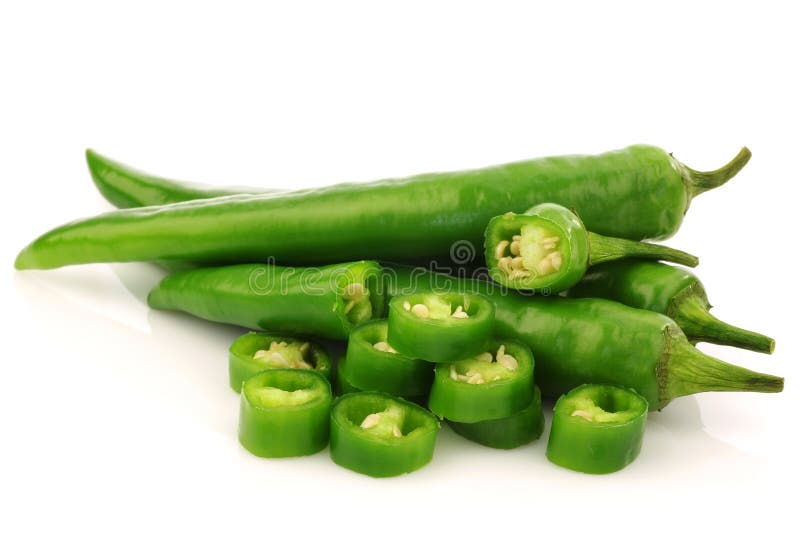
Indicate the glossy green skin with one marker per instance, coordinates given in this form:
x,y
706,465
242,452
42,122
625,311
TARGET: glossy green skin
x,y
471,403
242,366
343,384
126,187
592,447
370,369
572,231
507,432
441,340
359,451
637,192
267,297
279,432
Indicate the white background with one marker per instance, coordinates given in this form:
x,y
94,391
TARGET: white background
x,y
115,417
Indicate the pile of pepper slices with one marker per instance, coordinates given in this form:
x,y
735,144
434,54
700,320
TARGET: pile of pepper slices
x,y
567,300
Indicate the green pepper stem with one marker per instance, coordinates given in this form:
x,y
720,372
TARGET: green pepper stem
x,y
603,248
691,311
685,370
701,181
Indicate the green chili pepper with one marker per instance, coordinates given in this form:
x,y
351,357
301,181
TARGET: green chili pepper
x,y
507,432
580,341
374,365
285,412
644,193
325,301
343,384
548,247
441,327
597,429
255,352
495,384
675,292
380,435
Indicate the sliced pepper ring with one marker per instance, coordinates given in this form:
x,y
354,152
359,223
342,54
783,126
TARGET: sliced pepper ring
x,y
380,435
255,352
440,327
507,432
285,412
373,364
492,385
597,428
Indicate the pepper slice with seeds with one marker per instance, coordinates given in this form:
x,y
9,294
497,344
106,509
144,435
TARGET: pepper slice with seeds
x,y
285,412
380,435
255,352
549,247
440,327
597,428
494,384
507,432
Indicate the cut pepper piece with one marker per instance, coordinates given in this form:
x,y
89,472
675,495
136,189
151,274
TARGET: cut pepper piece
x,y
507,432
597,428
255,352
494,384
381,436
285,412
440,327
373,364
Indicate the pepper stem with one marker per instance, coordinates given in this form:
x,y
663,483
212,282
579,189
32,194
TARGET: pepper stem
x,y
603,248
701,181
685,371
690,309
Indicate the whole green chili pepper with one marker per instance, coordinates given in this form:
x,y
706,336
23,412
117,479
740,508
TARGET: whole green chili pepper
x,y
507,432
254,352
597,429
374,365
636,193
325,301
548,247
675,292
285,412
442,327
580,341
380,435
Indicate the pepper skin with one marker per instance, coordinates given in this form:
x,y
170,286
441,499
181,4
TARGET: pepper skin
x,y
675,292
326,301
285,412
549,247
343,384
582,341
381,436
255,352
597,429
507,432
441,327
638,192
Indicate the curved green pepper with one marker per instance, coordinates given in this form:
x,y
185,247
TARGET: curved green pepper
x,y
583,341
548,247
255,352
343,384
381,436
491,385
441,327
507,432
374,365
319,301
675,292
285,412
597,429
636,193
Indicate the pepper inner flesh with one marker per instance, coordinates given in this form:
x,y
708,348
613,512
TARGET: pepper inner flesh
x,y
272,397
535,251
486,367
603,409
386,424
434,307
358,306
280,354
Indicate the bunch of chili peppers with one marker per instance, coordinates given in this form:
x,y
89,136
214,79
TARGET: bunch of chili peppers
x,y
569,288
